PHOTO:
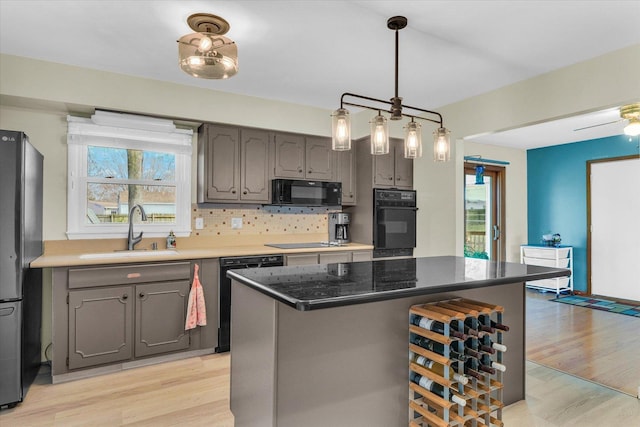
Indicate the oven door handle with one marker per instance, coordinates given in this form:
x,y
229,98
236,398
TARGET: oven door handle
x,y
404,208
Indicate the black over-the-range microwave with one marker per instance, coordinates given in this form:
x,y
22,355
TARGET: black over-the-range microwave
x,y
305,193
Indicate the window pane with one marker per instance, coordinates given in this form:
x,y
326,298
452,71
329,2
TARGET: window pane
x,y
109,203
119,163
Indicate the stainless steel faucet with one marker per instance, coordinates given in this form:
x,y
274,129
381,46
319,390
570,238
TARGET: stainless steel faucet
x,y
132,241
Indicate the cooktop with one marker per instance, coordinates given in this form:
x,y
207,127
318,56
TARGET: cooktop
x,y
301,245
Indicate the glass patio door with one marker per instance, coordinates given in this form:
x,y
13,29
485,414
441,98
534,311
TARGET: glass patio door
x,y
484,212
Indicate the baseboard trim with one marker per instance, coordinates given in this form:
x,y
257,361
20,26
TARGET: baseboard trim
x,y
118,367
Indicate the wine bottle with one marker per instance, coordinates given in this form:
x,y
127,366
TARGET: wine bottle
x,y
435,388
486,340
473,323
468,371
476,365
467,330
486,360
477,345
437,368
486,320
437,347
435,326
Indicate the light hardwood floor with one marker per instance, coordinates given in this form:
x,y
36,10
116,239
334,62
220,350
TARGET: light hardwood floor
x,y
194,392
594,345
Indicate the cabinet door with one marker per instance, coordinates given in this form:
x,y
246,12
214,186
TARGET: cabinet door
x,y
318,158
254,165
289,156
100,326
301,259
223,161
403,167
160,317
331,258
383,170
346,174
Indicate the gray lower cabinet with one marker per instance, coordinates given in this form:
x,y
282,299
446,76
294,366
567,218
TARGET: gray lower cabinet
x,y
327,257
160,317
114,314
100,326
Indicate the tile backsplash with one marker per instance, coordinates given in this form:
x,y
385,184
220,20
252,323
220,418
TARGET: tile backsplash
x,y
260,220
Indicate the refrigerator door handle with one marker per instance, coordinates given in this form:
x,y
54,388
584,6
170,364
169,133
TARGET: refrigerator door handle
x,y
7,311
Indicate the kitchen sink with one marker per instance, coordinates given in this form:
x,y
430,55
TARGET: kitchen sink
x,y
127,254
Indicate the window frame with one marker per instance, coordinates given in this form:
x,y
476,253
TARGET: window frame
x,y
107,129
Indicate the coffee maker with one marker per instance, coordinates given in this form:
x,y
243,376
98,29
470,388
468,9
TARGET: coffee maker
x,y
339,228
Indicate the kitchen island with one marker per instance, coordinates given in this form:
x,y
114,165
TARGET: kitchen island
x,y
328,344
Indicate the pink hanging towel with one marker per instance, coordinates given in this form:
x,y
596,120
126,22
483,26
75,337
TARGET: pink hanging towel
x,y
196,310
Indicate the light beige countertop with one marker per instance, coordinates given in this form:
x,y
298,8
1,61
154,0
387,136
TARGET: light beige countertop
x,y
70,253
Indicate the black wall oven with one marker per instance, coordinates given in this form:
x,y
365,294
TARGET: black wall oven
x,y
394,222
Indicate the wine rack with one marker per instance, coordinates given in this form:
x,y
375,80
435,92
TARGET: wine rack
x,y
482,394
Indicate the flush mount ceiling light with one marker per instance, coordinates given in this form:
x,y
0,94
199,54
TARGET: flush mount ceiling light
x,y
207,53
341,122
632,113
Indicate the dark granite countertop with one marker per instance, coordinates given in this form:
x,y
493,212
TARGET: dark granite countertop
x,y
312,287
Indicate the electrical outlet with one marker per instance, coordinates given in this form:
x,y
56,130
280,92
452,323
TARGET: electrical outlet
x,y
199,223
236,223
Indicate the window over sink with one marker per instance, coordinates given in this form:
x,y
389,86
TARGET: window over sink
x,y
119,160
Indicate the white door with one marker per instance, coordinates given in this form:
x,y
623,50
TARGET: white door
x,y
615,228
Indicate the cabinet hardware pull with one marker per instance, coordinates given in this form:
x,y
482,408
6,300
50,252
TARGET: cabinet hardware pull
x,y
233,191
142,295
125,296
133,275
390,178
244,192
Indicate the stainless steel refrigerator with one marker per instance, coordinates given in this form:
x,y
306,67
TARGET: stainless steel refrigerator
x,y
20,286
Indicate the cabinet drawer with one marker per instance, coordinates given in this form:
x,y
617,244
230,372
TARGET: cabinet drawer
x,y
559,282
547,262
127,274
545,253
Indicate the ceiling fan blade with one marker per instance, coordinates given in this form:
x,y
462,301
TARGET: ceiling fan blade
x,y
594,126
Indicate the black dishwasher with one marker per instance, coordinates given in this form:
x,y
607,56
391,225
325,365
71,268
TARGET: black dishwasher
x,y
224,294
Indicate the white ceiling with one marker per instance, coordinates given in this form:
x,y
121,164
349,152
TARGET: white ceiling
x,y
310,52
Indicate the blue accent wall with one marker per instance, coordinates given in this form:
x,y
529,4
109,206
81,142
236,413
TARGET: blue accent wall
x,y
557,193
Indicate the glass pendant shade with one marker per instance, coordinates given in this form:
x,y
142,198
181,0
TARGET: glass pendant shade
x,y
441,145
379,135
208,55
412,140
341,130
633,128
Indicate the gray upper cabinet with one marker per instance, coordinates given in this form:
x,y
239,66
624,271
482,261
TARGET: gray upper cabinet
x,y
218,163
302,157
232,164
254,165
392,170
318,158
289,153
346,174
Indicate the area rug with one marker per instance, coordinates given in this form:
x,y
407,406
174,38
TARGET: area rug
x,y
601,304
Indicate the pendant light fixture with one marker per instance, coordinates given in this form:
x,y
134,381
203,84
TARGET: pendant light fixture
x,y
207,53
341,134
